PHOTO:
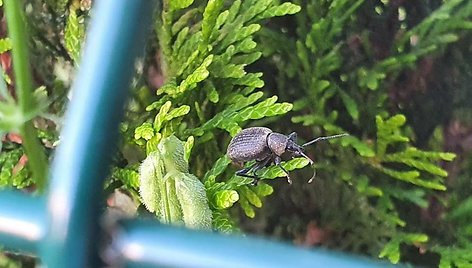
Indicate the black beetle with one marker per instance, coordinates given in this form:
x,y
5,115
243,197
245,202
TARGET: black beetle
x,y
265,147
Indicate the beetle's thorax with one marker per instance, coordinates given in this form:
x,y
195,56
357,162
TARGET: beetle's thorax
x,y
277,143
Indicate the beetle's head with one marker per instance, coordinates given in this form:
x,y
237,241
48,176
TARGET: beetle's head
x,y
299,150
294,148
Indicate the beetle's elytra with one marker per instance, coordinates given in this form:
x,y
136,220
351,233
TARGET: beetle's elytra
x,y
266,147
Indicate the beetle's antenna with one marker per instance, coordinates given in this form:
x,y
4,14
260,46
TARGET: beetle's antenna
x,y
325,138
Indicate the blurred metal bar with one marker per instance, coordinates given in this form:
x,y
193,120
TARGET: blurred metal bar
x,y
117,35
22,223
149,244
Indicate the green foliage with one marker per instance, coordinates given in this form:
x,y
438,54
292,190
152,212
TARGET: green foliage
x,y
395,75
12,172
339,80
418,161
210,90
392,248
459,257
74,34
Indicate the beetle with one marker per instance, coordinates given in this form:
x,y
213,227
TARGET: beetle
x,y
266,147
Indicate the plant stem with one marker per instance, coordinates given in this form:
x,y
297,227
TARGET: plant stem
x,y
24,90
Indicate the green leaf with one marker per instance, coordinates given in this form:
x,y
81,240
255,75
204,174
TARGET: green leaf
x,y
74,34
184,20
350,104
413,177
179,4
218,167
129,177
247,208
197,76
387,132
251,196
210,16
212,93
420,165
226,198
161,116
282,10
392,251
145,131
5,45
362,148
188,147
222,222
177,112
263,189
462,210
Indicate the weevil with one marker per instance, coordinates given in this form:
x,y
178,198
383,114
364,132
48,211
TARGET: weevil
x,y
266,148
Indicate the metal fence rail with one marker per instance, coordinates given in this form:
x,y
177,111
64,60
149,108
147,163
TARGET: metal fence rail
x,y
62,228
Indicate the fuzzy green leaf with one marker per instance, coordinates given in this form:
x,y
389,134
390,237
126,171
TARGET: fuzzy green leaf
x,y
168,190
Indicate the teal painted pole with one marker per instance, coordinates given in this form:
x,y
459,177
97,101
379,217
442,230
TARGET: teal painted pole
x,y
149,244
22,223
117,35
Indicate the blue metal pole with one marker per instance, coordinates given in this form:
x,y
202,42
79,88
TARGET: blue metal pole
x,y
149,244
22,223
117,36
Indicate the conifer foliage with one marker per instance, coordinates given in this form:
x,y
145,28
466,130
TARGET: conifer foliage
x,y
395,75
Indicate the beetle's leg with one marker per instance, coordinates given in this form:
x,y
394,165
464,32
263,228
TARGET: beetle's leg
x,y
277,161
255,178
259,166
244,172
262,164
254,168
